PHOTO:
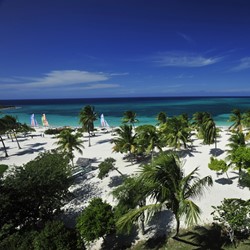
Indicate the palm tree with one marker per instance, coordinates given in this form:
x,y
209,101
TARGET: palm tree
x,y
87,118
129,117
209,130
236,142
130,195
199,123
161,118
125,140
12,126
170,187
68,142
236,118
177,132
2,131
148,139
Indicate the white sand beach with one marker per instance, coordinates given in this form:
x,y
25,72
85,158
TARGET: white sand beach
x,y
89,186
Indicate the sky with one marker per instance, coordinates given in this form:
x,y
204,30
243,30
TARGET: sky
x,y
124,48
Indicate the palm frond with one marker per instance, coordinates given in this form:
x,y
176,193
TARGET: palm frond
x,y
125,223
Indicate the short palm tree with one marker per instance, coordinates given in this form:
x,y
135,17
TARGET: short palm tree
x,y
209,130
68,142
87,118
171,188
148,139
125,140
236,118
129,117
161,118
176,132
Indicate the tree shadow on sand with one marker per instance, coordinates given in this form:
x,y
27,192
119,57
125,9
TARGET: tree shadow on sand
x,y
216,151
30,151
117,180
226,181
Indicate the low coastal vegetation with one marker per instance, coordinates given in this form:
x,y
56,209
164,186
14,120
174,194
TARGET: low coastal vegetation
x,y
32,195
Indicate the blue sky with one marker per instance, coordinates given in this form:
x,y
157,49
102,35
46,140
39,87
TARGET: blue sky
x,y
121,48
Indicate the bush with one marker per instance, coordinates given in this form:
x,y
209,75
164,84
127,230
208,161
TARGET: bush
x,y
3,168
97,220
55,131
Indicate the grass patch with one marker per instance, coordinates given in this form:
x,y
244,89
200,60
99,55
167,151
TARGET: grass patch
x,y
209,237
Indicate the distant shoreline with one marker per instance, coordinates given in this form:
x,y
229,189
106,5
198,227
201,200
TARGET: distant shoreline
x,y
5,107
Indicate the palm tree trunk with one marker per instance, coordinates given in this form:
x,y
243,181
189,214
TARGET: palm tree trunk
x,y
119,172
17,141
5,150
177,225
142,217
89,137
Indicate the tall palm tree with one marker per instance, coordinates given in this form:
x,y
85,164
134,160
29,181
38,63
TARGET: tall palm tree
x,y
129,117
236,141
199,123
170,187
87,118
68,142
125,140
236,118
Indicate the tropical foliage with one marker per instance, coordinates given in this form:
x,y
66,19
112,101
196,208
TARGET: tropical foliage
x,y
125,140
101,216
234,216
176,132
106,166
170,188
218,165
35,192
130,117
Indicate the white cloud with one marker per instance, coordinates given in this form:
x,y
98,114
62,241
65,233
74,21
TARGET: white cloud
x,y
57,78
244,64
177,59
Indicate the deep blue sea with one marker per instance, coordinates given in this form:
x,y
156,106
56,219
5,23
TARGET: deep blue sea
x,y
65,112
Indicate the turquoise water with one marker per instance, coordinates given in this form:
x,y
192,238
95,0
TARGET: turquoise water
x,y
64,112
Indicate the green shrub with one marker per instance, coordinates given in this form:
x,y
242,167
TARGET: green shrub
x,y
3,168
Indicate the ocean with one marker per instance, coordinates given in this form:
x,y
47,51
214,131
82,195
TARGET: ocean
x,y
65,112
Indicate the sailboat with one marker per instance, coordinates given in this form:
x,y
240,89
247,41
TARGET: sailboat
x,y
44,121
104,123
33,121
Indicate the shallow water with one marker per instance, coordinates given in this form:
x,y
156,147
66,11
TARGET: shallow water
x,y
61,112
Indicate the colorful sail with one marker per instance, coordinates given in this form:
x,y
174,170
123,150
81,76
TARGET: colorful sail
x,y
33,121
44,121
104,123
